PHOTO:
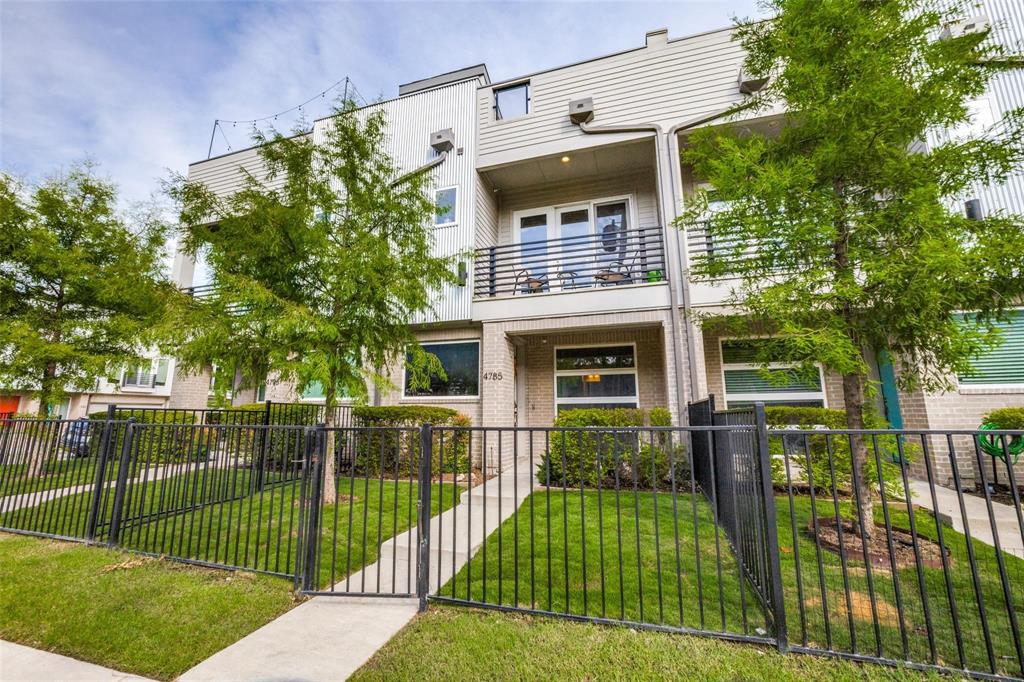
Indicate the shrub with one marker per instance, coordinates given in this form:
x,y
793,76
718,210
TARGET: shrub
x,y
587,458
176,439
283,445
806,418
1006,418
397,450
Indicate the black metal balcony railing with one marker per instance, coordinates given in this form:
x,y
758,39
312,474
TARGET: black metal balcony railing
x,y
139,380
704,247
571,263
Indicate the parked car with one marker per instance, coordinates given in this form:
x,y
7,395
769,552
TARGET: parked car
x,y
76,438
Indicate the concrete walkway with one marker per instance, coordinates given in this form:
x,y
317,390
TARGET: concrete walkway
x,y
329,638
38,497
24,664
1007,523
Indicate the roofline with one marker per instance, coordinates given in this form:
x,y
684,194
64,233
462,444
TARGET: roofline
x,y
246,149
471,71
516,79
398,97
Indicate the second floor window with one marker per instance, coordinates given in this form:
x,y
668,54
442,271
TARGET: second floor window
x,y
445,201
512,101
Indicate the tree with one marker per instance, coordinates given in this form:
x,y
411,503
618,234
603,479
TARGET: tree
x,y
319,266
81,286
861,242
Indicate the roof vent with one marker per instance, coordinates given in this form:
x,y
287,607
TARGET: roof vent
x,y
581,110
442,140
748,84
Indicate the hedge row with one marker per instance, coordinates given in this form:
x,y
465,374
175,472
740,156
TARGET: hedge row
x,y
647,459
396,450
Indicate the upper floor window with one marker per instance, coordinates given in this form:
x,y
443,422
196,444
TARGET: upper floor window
x,y
512,101
445,201
146,375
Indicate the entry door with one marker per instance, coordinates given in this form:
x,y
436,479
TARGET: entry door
x,y
533,228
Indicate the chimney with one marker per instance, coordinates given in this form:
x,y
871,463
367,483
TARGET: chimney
x,y
657,37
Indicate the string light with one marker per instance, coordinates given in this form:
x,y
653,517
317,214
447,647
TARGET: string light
x,y
218,123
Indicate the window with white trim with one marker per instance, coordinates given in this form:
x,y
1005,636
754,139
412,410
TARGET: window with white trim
x,y
1003,365
512,101
461,363
746,381
596,376
444,199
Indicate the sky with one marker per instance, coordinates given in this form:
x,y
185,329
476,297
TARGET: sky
x,y
136,86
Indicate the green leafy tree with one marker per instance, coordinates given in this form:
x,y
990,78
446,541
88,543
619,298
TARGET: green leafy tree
x,y
81,285
861,241
320,265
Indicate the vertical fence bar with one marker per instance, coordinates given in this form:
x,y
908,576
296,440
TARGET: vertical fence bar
x,y
423,559
101,466
772,533
311,531
114,534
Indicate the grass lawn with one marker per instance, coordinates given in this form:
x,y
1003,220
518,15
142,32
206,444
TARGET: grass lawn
x,y
560,570
250,529
132,613
57,473
450,643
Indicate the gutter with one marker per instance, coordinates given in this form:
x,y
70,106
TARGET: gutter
x,y
667,165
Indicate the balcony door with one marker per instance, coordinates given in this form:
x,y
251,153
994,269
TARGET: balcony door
x,y
563,247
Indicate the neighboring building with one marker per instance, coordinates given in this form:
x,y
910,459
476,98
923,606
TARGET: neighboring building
x,y
150,384
565,184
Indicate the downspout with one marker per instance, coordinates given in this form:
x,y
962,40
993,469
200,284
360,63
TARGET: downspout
x,y
436,161
666,214
667,154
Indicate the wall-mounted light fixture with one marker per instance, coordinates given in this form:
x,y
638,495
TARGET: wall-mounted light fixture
x,y
592,378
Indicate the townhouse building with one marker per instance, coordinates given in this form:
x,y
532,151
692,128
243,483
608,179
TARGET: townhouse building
x,y
564,185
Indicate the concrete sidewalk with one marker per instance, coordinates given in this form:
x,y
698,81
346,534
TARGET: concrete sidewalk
x,y
24,664
328,638
948,509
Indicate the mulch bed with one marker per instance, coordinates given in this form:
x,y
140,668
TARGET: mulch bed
x,y
878,551
1001,493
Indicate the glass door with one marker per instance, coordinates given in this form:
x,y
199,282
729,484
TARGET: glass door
x,y
614,261
576,248
533,274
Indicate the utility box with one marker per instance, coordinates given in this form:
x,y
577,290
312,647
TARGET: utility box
x,y
581,110
748,84
966,27
442,140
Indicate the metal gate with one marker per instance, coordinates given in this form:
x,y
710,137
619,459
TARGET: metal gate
x,y
366,537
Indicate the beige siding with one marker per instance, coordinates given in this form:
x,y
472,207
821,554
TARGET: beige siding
x,y
486,214
661,83
225,175
640,185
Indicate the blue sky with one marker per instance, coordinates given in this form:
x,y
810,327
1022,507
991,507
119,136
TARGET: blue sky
x,y
136,86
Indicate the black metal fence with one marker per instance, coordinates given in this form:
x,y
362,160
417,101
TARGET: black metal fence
x,y
724,527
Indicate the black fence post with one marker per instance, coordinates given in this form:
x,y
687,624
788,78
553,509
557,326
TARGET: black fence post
x,y
102,459
423,558
771,529
315,438
114,536
264,442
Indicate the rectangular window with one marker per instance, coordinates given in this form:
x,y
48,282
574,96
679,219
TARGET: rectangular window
x,y
461,362
512,101
314,391
445,201
1004,364
600,376
746,382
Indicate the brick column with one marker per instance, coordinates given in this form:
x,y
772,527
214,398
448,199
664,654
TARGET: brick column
x,y
497,370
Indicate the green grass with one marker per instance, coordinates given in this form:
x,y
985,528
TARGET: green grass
x,y
132,613
461,644
57,473
579,525
250,529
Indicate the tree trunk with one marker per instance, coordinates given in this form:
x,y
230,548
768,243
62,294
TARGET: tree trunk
x,y
330,482
853,396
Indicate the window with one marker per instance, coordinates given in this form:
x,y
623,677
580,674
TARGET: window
x,y
445,201
1004,364
600,376
146,375
745,381
314,391
461,362
512,101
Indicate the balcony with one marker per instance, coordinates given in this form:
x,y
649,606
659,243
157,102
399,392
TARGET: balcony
x,y
590,262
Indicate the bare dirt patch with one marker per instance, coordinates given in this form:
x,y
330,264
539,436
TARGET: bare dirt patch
x,y
853,549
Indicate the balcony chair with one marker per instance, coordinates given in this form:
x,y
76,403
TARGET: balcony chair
x,y
526,283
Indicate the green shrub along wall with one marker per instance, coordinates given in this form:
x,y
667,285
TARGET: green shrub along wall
x,y
396,451
818,451
1007,418
174,440
647,459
